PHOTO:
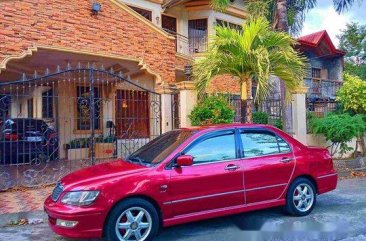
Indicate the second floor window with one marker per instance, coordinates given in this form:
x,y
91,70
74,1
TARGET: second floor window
x,y
197,35
316,73
169,24
145,13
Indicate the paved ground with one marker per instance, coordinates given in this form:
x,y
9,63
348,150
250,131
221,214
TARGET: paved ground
x,y
339,215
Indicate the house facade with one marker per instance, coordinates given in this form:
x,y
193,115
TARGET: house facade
x,y
107,76
325,71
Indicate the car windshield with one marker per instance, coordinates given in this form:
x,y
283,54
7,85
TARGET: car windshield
x,y
158,149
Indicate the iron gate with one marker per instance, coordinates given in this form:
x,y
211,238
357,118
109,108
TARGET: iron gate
x,y
175,107
58,122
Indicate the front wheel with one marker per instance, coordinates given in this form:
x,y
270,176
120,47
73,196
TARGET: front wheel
x,y
301,197
132,220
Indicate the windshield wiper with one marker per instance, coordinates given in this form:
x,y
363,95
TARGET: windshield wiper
x,y
137,159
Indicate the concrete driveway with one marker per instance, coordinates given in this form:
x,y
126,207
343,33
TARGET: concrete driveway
x,y
339,215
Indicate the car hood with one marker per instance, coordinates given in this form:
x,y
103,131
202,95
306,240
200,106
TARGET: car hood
x,y
88,177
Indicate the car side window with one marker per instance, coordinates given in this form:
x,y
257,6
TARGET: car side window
x,y
215,148
261,143
284,147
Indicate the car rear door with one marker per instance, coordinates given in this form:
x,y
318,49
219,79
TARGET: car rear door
x,y
214,181
268,164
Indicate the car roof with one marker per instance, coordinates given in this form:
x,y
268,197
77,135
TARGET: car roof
x,y
224,126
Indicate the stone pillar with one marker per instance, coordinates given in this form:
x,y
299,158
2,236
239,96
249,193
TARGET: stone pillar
x,y
299,114
166,107
187,99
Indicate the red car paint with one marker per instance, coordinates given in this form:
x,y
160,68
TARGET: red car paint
x,y
262,183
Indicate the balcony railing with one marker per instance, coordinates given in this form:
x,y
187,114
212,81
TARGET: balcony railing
x,y
181,42
322,88
186,47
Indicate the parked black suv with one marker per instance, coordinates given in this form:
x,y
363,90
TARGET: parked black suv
x,y
26,140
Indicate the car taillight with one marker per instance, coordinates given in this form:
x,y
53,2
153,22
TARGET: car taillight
x,y
11,137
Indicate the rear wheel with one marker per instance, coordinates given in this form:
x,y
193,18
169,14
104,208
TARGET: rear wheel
x,y
301,197
132,220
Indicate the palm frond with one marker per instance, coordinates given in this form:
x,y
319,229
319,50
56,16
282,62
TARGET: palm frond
x,y
220,5
343,5
253,54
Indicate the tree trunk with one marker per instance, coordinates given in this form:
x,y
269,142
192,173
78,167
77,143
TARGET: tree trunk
x,y
363,145
281,16
247,99
281,19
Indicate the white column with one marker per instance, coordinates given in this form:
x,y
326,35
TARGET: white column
x,y
299,114
166,108
187,99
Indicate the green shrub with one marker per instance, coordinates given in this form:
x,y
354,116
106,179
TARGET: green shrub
x,y
338,129
85,142
352,95
278,123
260,118
212,110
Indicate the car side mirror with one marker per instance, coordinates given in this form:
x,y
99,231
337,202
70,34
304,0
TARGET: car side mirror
x,y
184,160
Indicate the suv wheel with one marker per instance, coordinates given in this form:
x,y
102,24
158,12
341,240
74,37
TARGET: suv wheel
x,y
301,197
132,220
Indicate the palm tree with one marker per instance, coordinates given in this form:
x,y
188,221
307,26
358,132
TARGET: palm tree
x,y
286,15
253,54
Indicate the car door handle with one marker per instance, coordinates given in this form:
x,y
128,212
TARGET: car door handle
x,y
286,160
231,167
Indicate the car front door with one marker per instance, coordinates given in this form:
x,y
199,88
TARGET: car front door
x,y
214,181
268,165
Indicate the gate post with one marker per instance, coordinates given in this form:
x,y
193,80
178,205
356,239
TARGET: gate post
x,y
188,99
92,115
166,110
299,114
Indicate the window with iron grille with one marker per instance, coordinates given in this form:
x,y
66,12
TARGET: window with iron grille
x,y
197,35
84,108
47,104
145,13
316,73
30,108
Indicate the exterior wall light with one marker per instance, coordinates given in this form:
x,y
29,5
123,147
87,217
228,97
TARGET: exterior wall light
x,y
96,8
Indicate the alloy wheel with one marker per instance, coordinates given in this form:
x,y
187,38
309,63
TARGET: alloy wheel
x,y
134,224
303,197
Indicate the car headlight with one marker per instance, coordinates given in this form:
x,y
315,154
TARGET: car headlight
x,y
80,198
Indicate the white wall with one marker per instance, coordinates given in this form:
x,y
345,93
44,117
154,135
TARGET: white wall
x,y
155,8
319,140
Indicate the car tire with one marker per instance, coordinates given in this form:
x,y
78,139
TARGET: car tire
x,y
301,197
147,227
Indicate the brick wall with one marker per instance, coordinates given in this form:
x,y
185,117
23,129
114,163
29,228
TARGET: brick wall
x,y
69,24
224,84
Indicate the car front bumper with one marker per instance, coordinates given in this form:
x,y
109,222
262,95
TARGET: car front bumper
x,y
90,220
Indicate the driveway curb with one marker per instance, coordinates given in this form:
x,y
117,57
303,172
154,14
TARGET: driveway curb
x,y
6,219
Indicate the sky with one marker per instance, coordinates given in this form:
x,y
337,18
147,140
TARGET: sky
x,y
323,16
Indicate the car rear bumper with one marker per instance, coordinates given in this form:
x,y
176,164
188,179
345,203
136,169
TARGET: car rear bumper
x,y
89,223
327,182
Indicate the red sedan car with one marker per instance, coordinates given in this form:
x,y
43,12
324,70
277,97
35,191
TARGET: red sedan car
x,y
187,175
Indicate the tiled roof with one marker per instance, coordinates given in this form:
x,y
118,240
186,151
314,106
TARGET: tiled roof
x,y
315,40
